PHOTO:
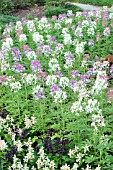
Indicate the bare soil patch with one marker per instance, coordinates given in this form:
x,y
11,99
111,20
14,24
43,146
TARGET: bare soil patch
x,y
35,11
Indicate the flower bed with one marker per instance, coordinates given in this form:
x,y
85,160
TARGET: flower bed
x,y
56,93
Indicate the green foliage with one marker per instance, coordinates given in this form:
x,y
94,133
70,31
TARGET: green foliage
x,y
26,3
57,3
49,12
22,4
74,8
7,18
9,6
96,2
6,6
40,2
54,3
56,10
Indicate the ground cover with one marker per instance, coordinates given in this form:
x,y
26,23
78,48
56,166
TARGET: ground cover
x,y
57,93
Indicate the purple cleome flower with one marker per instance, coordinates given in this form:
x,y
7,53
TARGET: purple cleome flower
x,y
54,17
18,68
91,71
69,56
56,146
16,54
38,51
104,77
42,76
39,95
54,88
40,45
58,74
89,19
73,84
105,15
91,42
62,16
74,73
18,33
109,94
104,23
23,134
4,113
16,131
24,20
111,70
3,79
107,31
79,23
9,155
47,50
85,13
26,49
52,38
98,36
73,27
85,78
36,66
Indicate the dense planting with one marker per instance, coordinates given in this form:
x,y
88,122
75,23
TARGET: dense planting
x,y
57,93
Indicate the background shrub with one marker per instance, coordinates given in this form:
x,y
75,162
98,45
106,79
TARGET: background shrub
x,y
9,6
27,3
60,7
6,6
7,18
49,12
96,2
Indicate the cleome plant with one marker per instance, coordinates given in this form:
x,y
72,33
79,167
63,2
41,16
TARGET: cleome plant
x,y
56,88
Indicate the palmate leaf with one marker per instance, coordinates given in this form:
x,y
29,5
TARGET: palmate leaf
x,y
8,138
109,159
90,159
56,126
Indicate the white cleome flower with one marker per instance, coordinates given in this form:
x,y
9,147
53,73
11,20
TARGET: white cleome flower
x,y
100,83
80,48
29,79
3,145
64,81
16,86
31,25
90,31
29,122
22,37
65,167
77,107
31,55
18,25
37,37
59,96
75,167
67,39
54,65
19,145
51,79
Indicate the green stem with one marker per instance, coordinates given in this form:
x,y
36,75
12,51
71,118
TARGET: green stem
x,y
26,95
18,105
42,117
